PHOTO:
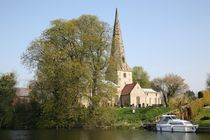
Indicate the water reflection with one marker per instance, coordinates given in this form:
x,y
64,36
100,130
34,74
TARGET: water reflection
x,y
176,136
80,134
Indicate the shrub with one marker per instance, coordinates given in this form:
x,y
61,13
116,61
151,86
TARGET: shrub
x,y
100,117
199,103
205,118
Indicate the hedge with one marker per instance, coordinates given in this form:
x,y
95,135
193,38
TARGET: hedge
x,y
204,99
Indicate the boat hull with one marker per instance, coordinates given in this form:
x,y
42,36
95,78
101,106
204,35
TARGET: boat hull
x,y
165,128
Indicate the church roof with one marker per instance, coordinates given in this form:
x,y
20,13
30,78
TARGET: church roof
x,y
22,92
148,90
128,88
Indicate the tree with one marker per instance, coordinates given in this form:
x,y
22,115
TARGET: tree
x,y
190,94
141,76
170,86
208,82
96,37
70,60
7,94
179,102
26,115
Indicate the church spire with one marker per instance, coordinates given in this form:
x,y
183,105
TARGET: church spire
x,y
117,46
116,23
117,58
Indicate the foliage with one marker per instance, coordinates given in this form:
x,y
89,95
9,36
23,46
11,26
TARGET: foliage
x,y
206,96
141,76
170,86
190,94
7,94
203,117
149,114
26,115
101,117
111,72
180,102
196,106
123,117
70,60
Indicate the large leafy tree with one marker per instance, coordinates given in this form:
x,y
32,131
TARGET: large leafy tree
x,y
69,59
141,76
7,94
170,86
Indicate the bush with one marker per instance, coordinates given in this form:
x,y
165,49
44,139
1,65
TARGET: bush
x,y
101,117
195,107
205,118
25,115
199,103
144,114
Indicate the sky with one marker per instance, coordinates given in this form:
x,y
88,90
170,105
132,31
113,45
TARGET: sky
x,y
162,36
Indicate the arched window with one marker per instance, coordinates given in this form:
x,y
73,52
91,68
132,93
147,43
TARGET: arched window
x,y
123,59
159,101
149,101
137,100
124,74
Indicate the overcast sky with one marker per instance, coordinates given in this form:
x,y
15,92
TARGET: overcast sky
x,y
162,36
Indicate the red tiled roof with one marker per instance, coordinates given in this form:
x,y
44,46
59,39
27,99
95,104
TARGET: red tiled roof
x,y
128,88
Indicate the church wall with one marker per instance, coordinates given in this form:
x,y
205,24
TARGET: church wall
x,y
124,77
152,98
137,96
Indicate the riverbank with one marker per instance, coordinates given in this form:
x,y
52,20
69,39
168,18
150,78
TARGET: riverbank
x,y
112,118
203,117
124,118
101,118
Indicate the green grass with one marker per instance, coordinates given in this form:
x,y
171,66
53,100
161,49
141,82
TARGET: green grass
x,y
125,117
203,113
113,117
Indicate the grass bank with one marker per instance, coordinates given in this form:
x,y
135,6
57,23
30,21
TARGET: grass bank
x,y
203,117
125,118
112,117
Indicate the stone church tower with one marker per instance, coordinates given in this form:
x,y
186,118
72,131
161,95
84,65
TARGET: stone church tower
x,y
118,70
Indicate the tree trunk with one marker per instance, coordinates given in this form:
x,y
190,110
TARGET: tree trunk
x,y
165,100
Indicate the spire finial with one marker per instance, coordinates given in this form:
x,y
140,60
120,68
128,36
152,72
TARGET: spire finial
x,y
116,13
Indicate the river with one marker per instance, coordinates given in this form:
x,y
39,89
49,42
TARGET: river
x,y
80,134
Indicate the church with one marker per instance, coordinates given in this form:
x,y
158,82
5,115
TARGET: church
x,y
118,72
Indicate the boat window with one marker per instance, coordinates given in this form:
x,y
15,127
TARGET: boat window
x,y
187,123
176,123
164,120
173,117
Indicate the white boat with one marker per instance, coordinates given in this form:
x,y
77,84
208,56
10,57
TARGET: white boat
x,y
171,124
